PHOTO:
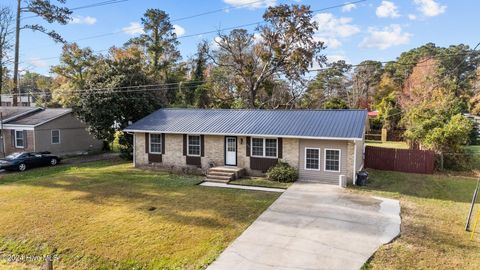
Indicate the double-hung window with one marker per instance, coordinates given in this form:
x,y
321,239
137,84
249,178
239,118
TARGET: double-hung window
x,y
55,136
19,139
155,143
332,160
264,147
312,159
193,146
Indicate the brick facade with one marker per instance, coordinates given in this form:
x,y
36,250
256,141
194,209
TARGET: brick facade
x,y
214,155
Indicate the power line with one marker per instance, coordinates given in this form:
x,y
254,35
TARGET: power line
x,y
156,87
207,32
98,4
173,20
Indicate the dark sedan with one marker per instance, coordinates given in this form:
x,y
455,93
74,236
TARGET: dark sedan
x,y
25,160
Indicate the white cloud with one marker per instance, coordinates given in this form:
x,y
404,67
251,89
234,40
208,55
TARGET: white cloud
x,y
337,57
412,17
386,37
430,8
349,7
387,9
331,29
331,43
250,4
134,28
39,63
83,20
180,31
215,41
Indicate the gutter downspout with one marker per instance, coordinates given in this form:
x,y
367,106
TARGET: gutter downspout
x,y
354,180
134,151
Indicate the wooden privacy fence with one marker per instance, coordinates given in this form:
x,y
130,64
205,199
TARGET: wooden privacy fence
x,y
401,160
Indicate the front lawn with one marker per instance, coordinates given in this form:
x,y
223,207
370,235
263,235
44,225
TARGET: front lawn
x,y
434,209
107,215
260,182
398,145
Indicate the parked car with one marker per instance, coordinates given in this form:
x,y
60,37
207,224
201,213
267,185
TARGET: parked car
x,y
21,161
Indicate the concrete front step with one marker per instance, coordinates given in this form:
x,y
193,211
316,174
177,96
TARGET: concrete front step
x,y
224,174
215,180
221,177
221,173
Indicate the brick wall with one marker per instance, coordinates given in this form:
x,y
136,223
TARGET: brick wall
x,y
291,151
213,152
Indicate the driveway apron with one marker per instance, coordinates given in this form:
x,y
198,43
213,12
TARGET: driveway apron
x,y
314,226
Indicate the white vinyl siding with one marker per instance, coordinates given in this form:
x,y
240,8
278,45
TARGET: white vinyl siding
x,y
321,175
155,143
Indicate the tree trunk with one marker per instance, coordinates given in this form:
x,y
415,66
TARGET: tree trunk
x,y
17,48
1,75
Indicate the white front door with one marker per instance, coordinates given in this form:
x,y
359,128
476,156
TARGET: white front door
x,y
231,151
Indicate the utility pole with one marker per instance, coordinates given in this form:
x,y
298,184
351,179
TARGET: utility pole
x,y
17,48
2,135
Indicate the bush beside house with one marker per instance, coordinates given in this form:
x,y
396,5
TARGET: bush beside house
x,y
282,172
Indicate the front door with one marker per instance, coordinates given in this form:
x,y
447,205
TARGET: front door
x,y
231,151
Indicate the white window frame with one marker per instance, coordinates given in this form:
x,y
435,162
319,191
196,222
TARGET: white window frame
x,y
23,139
264,147
305,159
325,159
59,137
150,143
199,148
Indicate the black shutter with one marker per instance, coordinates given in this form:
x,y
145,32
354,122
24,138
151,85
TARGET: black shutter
x,y
25,141
280,147
248,147
163,143
184,144
146,143
12,134
202,140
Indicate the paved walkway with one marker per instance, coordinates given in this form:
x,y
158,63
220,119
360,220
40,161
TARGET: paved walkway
x,y
314,226
223,185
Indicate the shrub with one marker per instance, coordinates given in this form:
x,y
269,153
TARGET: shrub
x,y
282,172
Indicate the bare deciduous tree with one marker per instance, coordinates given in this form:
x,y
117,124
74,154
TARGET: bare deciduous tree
x,y
6,31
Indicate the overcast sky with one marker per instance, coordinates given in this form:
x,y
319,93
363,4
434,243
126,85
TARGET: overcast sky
x,y
376,30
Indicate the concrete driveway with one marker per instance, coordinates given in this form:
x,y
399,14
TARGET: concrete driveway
x,y
314,226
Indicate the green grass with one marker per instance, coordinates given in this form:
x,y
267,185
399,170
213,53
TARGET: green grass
x,y
399,145
260,182
111,216
434,209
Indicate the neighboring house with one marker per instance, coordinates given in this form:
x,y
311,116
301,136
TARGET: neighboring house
x,y
22,101
373,114
321,144
37,129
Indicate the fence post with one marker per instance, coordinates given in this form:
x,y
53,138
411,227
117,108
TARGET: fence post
x,y
384,135
441,161
48,263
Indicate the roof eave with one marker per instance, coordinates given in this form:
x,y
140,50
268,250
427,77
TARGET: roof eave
x,y
249,135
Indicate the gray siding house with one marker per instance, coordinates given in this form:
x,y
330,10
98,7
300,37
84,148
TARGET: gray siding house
x,y
321,144
37,129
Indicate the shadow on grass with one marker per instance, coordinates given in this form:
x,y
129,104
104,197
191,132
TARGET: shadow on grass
x,y
173,197
440,187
